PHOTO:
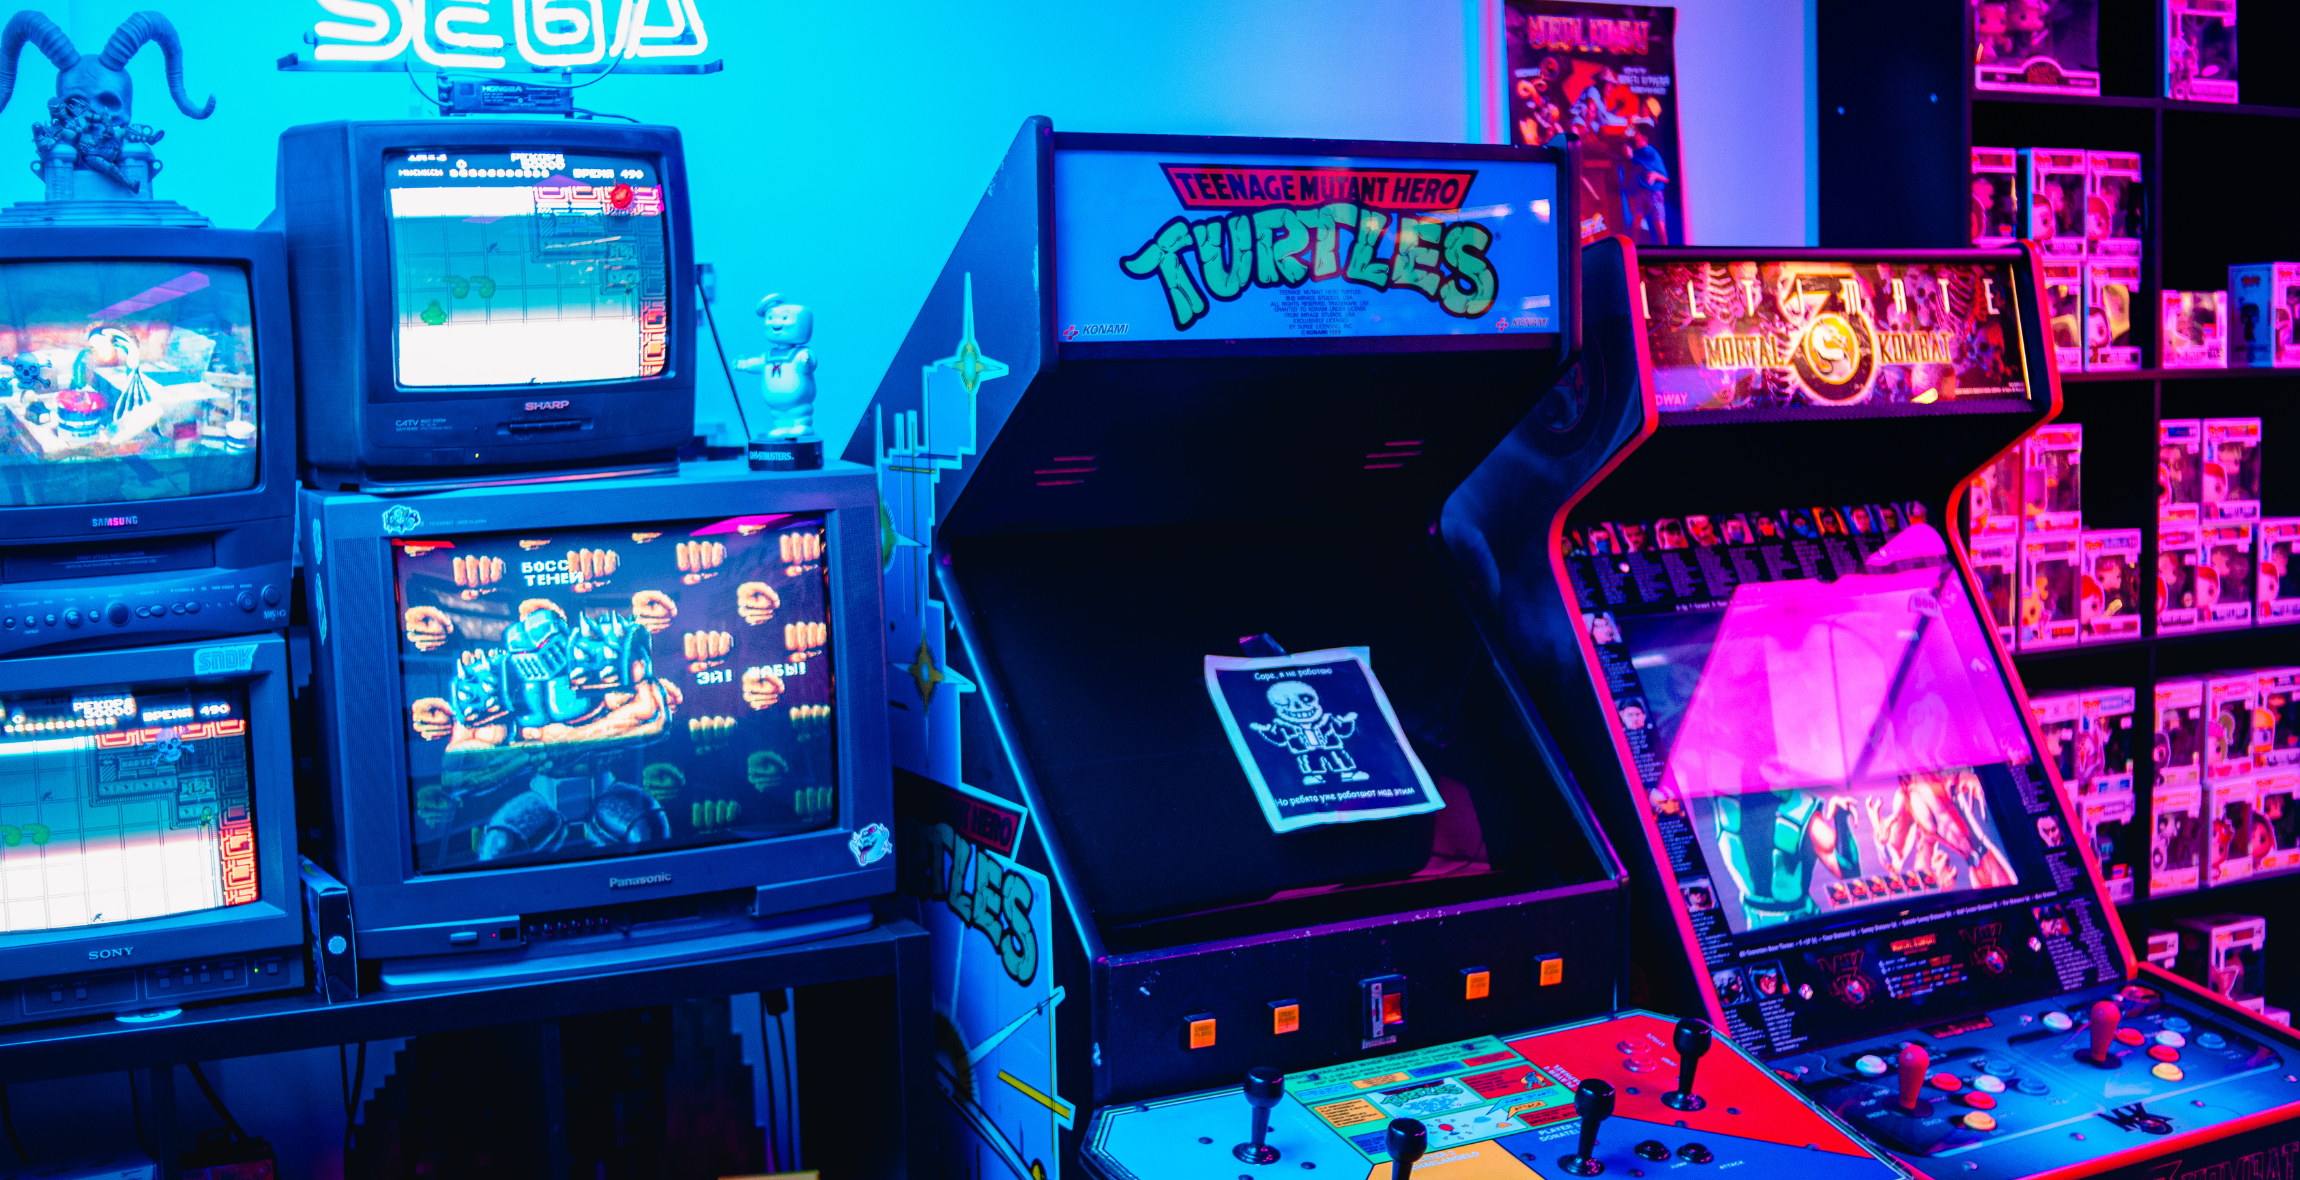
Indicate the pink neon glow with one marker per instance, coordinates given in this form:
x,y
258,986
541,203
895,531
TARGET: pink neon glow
x,y
1817,684
175,288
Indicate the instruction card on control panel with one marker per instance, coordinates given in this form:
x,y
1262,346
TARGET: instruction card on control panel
x,y
1317,738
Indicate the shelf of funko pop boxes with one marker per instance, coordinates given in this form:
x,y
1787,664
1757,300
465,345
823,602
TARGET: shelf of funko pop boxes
x,y
1896,116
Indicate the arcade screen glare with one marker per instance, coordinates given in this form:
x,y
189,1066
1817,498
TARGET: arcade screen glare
x,y
593,692
123,802
527,267
125,381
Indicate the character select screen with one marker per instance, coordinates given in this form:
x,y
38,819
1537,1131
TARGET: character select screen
x,y
125,381
527,267
580,693
123,803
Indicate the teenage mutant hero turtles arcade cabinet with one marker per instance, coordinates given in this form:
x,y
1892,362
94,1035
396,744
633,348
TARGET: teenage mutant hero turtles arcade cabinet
x,y
1722,560
1171,394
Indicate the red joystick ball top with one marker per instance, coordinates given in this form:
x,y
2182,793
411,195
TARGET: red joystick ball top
x,y
2104,1017
1914,1060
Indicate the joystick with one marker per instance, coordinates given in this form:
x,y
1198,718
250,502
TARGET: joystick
x,y
1913,1063
1593,1101
1692,1041
2103,1017
1264,1087
1408,1141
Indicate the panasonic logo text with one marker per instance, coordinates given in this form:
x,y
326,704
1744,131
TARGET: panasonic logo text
x,y
634,882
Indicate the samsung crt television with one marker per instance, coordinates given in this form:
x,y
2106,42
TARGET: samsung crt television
x,y
147,453
576,726
147,829
487,299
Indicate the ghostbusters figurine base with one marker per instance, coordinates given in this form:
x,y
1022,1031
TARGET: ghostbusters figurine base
x,y
787,378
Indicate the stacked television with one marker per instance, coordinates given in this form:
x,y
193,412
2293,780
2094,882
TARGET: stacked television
x,y
583,707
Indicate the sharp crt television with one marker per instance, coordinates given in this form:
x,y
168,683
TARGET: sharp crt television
x,y
147,454
147,829
573,726
475,298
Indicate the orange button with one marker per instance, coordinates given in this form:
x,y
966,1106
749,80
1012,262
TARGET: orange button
x,y
2164,1052
1977,1121
1202,1032
1947,1081
1393,1008
2129,1035
1476,983
1285,1017
1552,969
1981,1101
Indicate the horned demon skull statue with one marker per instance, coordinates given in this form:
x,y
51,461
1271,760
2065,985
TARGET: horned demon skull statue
x,y
102,80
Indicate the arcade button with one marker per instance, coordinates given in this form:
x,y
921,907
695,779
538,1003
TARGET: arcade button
x,y
1989,1083
2164,1052
1695,1153
1198,1031
2211,1040
1652,1149
2178,1024
1978,1120
1979,1101
2130,1036
1869,1065
2032,1087
2170,1037
1947,1081
2168,1071
2059,1021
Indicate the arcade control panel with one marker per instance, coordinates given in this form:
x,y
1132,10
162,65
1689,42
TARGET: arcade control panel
x,y
2031,1088
1624,1095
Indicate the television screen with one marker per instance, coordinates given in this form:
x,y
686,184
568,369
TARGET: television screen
x,y
123,802
527,268
125,380
592,692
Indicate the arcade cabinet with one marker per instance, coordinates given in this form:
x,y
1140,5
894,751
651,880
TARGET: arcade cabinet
x,y
1721,557
1217,791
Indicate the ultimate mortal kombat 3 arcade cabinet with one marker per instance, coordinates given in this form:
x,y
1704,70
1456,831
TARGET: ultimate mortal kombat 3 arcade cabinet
x,y
1183,404
1721,559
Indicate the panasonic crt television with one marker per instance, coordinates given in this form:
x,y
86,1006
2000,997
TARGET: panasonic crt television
x,y
573,726
147,829
147,453
487,297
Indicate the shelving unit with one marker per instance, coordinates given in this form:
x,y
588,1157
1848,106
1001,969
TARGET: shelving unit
x,y
1897,115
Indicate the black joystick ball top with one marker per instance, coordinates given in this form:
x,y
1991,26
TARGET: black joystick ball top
x,y
1408,1142
1692,1041
1593,1101
1264,1087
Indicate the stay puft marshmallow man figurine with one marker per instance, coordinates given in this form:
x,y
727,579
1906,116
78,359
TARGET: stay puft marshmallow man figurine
x,y
787,370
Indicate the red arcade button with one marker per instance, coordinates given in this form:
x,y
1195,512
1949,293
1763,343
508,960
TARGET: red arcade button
x,y
1947,1081
2164,1052
1980,1101
2129,1035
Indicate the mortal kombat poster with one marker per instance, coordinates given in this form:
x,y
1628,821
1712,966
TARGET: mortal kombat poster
x,y
1605,72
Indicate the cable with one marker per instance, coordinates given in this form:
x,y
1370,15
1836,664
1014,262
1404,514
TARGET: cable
x,y
719,345
8,1120
136,1108
601,115
774,1112
410,72
200,1077
354,1084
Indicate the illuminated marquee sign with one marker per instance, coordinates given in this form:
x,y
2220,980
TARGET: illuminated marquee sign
x,y
630,36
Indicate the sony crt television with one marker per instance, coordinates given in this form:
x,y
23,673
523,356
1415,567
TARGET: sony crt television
x,y
479,300
576,726
147,454
147,829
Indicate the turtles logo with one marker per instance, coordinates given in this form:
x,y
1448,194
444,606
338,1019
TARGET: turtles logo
x,y
1836,358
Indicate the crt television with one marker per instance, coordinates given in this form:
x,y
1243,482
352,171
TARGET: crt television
x,y
579,725
147,455
147,829
475,298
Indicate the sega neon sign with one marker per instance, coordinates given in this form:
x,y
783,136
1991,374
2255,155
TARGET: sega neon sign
x,y
547,34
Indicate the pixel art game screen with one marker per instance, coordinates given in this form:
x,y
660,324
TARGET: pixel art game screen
x,y
1734,335
527,267
125,381
121,803
592,692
